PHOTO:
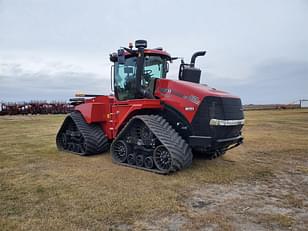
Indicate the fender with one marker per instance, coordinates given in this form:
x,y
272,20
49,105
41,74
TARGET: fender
x,y
93,112
122,111
177,120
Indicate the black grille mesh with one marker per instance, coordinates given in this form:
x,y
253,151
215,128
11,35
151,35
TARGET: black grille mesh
x,y
217,108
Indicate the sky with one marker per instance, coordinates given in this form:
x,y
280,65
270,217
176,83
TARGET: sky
x,y
256,49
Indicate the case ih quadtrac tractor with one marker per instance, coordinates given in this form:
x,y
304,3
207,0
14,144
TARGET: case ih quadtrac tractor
x,y
151,122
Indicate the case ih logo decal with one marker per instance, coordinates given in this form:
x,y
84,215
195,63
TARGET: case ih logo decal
x,y
168,92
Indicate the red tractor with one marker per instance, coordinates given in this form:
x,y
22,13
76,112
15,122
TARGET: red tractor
x,y
151,122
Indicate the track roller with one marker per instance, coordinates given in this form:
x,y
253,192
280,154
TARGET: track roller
x,y
131,159
148,162
139,160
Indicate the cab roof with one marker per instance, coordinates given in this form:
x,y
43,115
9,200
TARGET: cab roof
x,y
159,52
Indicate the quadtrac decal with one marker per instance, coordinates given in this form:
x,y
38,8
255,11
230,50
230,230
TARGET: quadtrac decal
x,y
167,92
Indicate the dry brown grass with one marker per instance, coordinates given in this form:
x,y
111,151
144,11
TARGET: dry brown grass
x,y
276,220
42,189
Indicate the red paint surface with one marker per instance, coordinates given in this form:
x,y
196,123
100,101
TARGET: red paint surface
x,y
113,114
181,92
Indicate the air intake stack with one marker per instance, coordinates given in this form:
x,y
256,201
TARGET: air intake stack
x,y
188,72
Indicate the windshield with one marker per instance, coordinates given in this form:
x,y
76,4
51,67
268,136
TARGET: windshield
x,y
125,75
154,67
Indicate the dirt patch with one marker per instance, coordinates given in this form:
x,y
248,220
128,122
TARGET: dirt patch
x,y
277,203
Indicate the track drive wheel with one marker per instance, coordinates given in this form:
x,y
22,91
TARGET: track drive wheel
x,y
162,158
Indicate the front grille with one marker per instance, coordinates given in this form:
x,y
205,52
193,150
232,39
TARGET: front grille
x,y
217,108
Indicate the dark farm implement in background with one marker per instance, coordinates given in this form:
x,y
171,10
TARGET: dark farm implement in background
x,y
35,107
153,123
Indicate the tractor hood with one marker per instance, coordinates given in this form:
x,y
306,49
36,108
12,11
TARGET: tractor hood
x,y
186,96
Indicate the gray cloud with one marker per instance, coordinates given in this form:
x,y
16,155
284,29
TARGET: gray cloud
x,y
278,81
43,85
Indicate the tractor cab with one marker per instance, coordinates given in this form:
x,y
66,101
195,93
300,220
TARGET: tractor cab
x,y
135,70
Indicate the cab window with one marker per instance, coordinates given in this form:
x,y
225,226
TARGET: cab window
x,y
125,75
125,79
154,67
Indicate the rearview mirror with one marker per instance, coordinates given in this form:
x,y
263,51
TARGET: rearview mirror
x,y
121,56
167,67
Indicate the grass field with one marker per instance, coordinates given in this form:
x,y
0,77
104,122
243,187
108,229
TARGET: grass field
x,y
262,185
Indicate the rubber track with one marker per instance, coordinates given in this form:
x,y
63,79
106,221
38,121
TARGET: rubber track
x,y
96,140
180,151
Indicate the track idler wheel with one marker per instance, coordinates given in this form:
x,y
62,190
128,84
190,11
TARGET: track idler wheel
x,y
162,158
120,151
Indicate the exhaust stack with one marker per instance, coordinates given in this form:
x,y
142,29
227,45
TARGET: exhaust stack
x,y
194,56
